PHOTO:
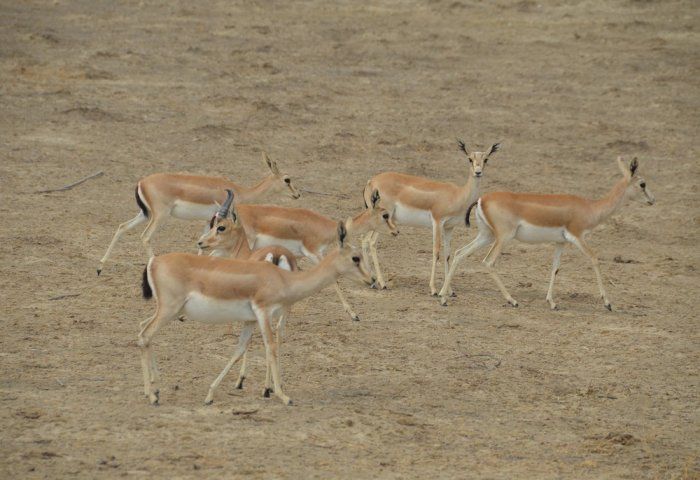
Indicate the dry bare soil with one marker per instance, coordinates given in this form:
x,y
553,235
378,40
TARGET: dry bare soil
x,y
337,92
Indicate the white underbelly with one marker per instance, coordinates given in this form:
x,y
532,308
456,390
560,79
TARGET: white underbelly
x,y
208,310
412,216
193,211
293,245
529,233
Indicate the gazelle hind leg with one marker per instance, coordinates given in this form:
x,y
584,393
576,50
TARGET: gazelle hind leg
x,y
246,333
242,373
480,241
555,269
490,260
156,219
437,239
124,227
148,363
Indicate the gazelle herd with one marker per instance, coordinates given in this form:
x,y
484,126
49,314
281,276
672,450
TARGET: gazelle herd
x,y
251,275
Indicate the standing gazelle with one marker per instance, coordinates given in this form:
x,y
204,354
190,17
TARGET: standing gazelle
x,y
422,202
221,290
541,218
191,197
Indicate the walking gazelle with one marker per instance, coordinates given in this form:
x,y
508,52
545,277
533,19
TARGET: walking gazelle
x,y
226,238
423,202
191,197
545,218
221,290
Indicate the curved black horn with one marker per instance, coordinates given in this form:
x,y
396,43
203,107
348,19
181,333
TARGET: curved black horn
x,y
462,146
223,211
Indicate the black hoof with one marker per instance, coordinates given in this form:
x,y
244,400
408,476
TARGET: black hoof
x,y
209,402
240,385
99,270
609,307
267,392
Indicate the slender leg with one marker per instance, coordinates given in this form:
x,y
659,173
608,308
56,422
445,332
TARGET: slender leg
x,y
372,238
241,374
346,306
490,260
126,226
480,241
246,333
555,270
270,351
148,364
156,220
447,251
437,237
587,251
279,336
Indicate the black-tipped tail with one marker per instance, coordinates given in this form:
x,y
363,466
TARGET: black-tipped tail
x,y
469,211
147,292
140,203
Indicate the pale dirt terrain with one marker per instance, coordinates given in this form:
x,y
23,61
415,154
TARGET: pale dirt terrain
x,y
337,92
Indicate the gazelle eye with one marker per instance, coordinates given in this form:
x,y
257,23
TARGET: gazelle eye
x,y
221,228
643,185
356,259
287,180
385,216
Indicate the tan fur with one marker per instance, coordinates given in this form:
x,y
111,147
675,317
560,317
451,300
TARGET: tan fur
x,y
445,202
502,216
164,193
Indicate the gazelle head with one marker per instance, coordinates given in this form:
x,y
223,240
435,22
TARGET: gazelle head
x,y
351,263
636,184
477,160
285,181
224,229
374,218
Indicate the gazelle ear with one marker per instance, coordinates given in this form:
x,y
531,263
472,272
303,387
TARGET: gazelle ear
x,y
272,165
462,146
375,198
234,216
494,148
623,168
633,166
342,234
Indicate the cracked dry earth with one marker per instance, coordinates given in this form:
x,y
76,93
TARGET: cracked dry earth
x,y
337,92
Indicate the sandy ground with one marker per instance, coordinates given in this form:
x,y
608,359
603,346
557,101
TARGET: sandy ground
x,y
337,92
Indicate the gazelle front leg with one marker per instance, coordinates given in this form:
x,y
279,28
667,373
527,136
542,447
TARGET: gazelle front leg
x,y
587,251
447,251
480,241
346,306
264,318
555,270
369,242
246,333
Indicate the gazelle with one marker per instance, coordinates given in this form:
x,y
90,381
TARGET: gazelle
x,y
423,202
221,290
307,233
191,197
226,238
541,218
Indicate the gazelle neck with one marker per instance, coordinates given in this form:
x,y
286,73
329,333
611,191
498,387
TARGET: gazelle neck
x,y
359,224
247,194
608,204
305,283
471,188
